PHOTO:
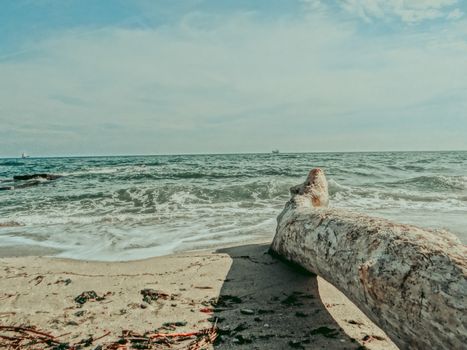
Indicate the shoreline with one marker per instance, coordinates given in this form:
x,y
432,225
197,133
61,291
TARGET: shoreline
x,y
22,251
274,306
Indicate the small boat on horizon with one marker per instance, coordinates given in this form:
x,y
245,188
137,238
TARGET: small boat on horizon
x,y
24,155
275,151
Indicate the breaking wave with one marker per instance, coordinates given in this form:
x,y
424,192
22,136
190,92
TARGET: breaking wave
x,y
117,208
435,183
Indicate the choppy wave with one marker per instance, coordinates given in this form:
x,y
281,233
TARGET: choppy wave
x,y
9,224
435,183
116,208
11,163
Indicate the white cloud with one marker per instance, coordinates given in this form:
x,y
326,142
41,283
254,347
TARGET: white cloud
x,y
233,83
455,14
313,4
413,11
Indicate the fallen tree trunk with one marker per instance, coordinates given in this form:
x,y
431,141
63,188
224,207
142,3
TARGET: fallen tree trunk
x,y
410,281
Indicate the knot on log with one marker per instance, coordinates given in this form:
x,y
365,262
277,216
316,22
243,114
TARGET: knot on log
x,y
314,188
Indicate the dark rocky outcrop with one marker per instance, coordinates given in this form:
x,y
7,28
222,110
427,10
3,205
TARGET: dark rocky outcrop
x,y
24,181
36,177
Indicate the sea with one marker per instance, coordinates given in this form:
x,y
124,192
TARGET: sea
x,y
134,207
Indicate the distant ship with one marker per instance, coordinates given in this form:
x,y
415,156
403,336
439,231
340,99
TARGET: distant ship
x,y
24,155
275,151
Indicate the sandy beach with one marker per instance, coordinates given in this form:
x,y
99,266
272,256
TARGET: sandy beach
x,y
256,301
206,174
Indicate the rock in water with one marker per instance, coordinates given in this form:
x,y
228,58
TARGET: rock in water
x,y
35,177
410,281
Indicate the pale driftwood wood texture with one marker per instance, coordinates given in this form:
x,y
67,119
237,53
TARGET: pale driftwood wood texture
x,y
411,282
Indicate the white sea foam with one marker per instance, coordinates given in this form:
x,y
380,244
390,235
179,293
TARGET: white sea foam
x,y
127,208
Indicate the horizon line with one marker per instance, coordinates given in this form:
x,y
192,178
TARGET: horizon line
x,y
227,153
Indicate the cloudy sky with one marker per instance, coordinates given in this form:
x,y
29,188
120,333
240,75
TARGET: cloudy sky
x,y
103,77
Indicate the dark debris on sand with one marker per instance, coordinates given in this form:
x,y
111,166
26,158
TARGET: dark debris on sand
x,y
16,338
267,305
150,295
90,296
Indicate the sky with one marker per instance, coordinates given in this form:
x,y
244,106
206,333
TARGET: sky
x,y
85,77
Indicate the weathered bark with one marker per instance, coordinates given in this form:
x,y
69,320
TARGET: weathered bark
x,y
410,281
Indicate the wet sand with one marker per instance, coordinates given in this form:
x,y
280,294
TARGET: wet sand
x,y
256,301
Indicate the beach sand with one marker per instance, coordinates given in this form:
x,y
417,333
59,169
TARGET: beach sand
x,y
262,303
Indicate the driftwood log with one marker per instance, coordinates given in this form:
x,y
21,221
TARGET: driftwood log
x,y
411,282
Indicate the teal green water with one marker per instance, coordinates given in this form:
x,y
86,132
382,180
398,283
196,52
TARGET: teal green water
x,y
119,208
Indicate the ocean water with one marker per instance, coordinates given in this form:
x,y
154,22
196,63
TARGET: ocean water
x,y
121,208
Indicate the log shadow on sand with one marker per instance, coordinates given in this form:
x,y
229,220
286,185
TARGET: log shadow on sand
x,y
267,304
